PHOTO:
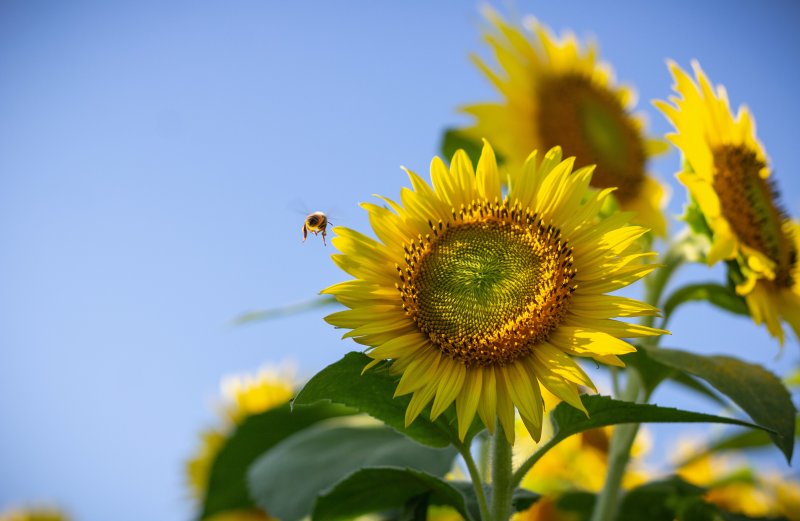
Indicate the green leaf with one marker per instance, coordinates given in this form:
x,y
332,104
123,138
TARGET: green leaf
x,y
284,311
742,440
453,140
667,500
603,411
342,382
227,488
286,480
383,488
721,296
757,391
578,504
523,499
653,373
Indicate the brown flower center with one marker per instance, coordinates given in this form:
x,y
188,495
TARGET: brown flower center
x,y
750,204
489,284
590,122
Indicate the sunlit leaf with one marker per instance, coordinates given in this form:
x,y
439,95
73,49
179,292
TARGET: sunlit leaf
x,y
379,489
227,488
286,480
372,393
757,391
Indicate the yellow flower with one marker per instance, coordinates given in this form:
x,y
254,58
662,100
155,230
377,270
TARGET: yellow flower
x,y
480,298
726,172
557,93
737,489
33,514
244,396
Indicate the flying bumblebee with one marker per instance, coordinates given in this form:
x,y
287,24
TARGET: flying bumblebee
x,y
315,223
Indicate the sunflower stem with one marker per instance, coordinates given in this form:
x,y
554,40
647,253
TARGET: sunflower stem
x,y
477,481
502,477
622,440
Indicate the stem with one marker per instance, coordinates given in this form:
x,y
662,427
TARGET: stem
x,y
622,439
530,462
501,476
477,482
618,455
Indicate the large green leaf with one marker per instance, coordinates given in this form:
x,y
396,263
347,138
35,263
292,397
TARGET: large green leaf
x,y
286,480
720,296
757,391
372,393
740,440
604,411
383,488
653,372
667,500
227,489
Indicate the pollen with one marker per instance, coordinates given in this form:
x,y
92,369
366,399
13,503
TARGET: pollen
x,y
750,204
489,284
591,123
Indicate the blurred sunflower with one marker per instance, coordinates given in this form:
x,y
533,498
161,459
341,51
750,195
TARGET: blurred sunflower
x,y
33,514
479,298
557,93
727,174
738,489
243,396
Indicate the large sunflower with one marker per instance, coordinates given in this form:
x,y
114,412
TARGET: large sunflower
x,y
557,93
479,298
727,174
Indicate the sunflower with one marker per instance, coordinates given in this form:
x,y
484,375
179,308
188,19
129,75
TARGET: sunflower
x,y
33,514
244,396
727,173
479,298
557,93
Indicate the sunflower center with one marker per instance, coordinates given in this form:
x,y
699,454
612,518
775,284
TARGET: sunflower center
x,y
749,203
590,122
489,285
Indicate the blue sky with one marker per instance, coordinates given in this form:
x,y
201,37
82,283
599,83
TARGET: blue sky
x,y
155,162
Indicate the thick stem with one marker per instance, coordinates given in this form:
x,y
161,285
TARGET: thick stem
x,y
622,440
477,482
502,489
618,455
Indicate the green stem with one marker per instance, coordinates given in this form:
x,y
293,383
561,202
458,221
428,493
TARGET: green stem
x,y
530,462
622,439
502,489
477,482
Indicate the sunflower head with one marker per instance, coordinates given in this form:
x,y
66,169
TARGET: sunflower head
x,y
557,93
480,297
39,513
243,396
727,175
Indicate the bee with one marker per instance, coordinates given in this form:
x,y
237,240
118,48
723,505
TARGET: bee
x,y
315,223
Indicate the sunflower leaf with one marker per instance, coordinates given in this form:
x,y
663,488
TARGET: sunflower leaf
x,y
372,393
454,139
227,489
720,296
286,480
379,489
757,391
604,411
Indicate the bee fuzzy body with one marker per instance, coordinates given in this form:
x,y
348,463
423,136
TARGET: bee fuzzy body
x,y
316,223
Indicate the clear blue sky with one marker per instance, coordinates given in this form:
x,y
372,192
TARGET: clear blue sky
x,y
152,159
